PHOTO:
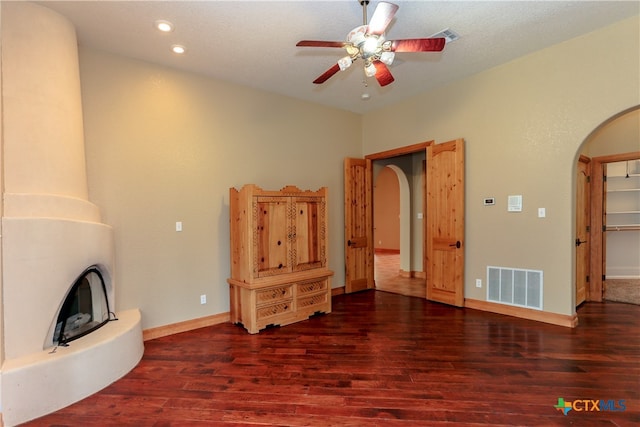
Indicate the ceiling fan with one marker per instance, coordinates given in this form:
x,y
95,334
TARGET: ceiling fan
x,y
367,42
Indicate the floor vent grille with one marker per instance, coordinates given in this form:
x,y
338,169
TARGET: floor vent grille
x,y
515,286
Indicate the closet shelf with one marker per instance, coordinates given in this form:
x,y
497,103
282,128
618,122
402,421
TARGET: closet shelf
x,y
623,227
622,212
624,190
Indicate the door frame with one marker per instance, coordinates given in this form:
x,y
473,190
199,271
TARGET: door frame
x,y
597,267
400,151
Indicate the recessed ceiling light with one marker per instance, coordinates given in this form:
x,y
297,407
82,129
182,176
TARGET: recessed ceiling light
x,y
164,26
176,48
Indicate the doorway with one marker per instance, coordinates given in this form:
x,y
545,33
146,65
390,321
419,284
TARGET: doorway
x,y
616,140
392,224
442,238
615,221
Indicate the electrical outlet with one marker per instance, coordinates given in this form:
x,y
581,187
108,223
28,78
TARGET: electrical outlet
x,y
203,299
478,283
179,226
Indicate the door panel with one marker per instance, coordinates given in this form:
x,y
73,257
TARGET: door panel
x,y
604,231
445,222
583,245
358,225
272,235
309,217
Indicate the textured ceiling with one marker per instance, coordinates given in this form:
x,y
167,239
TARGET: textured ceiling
x,y
252,43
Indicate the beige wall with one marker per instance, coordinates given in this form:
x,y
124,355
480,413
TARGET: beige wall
x,y
165,146
620,135
523,123
386,210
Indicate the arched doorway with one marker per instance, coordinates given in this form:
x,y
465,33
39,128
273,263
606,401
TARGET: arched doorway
x,y
392,211
612,199
392,231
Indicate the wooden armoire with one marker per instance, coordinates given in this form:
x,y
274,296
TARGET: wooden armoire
x,y
279,271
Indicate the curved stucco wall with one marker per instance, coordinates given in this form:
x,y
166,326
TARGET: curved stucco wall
x,y
43,133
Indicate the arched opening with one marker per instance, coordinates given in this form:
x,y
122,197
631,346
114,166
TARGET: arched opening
x,y
392,214
392,232
85,308
612,208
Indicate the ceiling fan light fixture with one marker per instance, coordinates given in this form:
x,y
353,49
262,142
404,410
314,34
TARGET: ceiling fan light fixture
x,y
370,69
345,63
387,57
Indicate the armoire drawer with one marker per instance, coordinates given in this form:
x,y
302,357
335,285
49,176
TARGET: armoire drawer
x,y
271,295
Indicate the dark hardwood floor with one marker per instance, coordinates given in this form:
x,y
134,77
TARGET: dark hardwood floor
x,y
381,359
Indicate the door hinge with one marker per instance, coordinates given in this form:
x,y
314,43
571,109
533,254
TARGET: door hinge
x,y
604,178
587,279
604,228
588,179
604,277
588,229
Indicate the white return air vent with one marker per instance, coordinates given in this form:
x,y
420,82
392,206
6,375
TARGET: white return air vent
x,y
515,286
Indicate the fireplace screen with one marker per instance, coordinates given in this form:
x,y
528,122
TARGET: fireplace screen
x,y
85,308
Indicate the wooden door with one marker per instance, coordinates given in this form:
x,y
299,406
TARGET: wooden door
x,y
605,230
583,245
308,236
445,222
358,225
272,240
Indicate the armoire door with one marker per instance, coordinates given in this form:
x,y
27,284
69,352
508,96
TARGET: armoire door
x,y
309,250
272,239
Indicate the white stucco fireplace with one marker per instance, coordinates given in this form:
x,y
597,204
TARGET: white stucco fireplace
x,y
50,232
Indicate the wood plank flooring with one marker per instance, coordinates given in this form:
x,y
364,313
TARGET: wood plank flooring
x,y
380,359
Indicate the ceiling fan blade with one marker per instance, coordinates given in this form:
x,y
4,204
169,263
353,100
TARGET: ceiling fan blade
x,y
319,43
381,17
327,74
418,45
383,75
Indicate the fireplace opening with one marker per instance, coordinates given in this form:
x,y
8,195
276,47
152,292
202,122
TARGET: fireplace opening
x,y
85,308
